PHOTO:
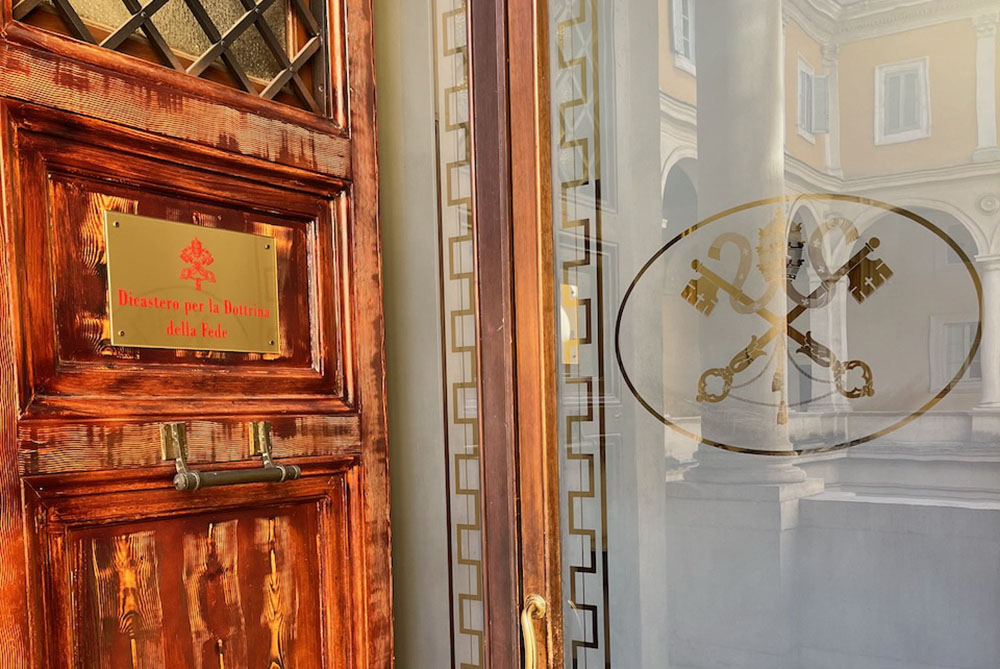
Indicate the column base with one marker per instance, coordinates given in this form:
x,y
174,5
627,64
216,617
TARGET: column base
x,y
986,155
835,403
715,465
731,563
986,423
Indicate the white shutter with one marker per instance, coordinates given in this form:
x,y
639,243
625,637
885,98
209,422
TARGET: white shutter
x,y
910,115
821,104
803,105
691,28
677,20
892,103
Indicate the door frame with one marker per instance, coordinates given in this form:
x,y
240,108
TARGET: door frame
x,y
512,231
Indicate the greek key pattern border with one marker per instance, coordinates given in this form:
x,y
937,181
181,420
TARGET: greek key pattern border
x,y
460,349
576,105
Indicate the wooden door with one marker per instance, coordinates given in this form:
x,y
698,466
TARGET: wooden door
x,y
253,117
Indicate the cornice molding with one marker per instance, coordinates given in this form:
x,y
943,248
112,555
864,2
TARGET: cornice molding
x,y
986,24
679,120
920,178
872,18
817,19
678,111
809,178
828,21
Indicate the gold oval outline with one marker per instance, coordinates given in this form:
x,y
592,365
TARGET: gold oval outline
x,y
916,218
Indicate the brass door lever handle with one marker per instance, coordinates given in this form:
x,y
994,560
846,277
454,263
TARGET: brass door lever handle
x,y
173,445
534,609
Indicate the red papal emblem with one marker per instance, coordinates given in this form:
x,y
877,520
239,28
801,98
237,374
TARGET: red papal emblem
x,y
199,258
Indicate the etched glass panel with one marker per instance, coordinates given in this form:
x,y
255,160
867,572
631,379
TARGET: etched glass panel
x,y
778,340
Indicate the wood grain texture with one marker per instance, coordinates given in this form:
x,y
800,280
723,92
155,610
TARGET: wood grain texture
x,y
64,288
15,642
44,68
139,46
368,341
535,337
211,584
122,602
60,448
105,564
494,264
182,586
243,584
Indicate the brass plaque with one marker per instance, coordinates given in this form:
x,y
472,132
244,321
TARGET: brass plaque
x,y
182,286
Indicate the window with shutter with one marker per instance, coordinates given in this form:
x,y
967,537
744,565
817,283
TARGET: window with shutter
x,y
813,114
903,103
805,101
959,338
683,17
821,104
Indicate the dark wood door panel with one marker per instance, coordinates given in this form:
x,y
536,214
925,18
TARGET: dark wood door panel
x,y
50,447
39,67
77,204
234,594
64,185
140,578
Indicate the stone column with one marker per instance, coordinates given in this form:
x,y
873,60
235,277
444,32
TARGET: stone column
x,y
741,97
636,466
731,523
989,271
986,88
741,112
831,59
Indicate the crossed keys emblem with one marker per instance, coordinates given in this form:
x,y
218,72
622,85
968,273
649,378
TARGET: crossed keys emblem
x,y
780,256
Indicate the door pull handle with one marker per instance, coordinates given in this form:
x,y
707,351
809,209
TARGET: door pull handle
x,y
173,446
534,609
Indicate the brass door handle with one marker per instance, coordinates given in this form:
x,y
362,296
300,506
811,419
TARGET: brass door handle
x,y
534,609
173,445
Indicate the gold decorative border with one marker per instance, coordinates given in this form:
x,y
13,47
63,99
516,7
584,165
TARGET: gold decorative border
x,y
460,347
576,99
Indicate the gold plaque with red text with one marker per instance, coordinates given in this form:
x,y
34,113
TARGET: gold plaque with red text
x,y
183,286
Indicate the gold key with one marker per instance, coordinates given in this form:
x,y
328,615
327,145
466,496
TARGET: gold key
x,y
867,274
702,292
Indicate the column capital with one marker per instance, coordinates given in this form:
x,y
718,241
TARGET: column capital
x,y
989,350
830,54
986,24
988,263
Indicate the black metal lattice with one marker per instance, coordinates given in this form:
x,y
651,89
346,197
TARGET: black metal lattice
x,y
220,50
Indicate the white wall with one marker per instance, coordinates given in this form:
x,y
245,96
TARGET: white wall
x,y
890,583
408,192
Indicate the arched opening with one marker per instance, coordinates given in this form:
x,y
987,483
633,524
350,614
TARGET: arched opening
x,y
963,238
937,309
680,203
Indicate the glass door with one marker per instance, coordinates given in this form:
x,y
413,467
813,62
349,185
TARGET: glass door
x,y
776,277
